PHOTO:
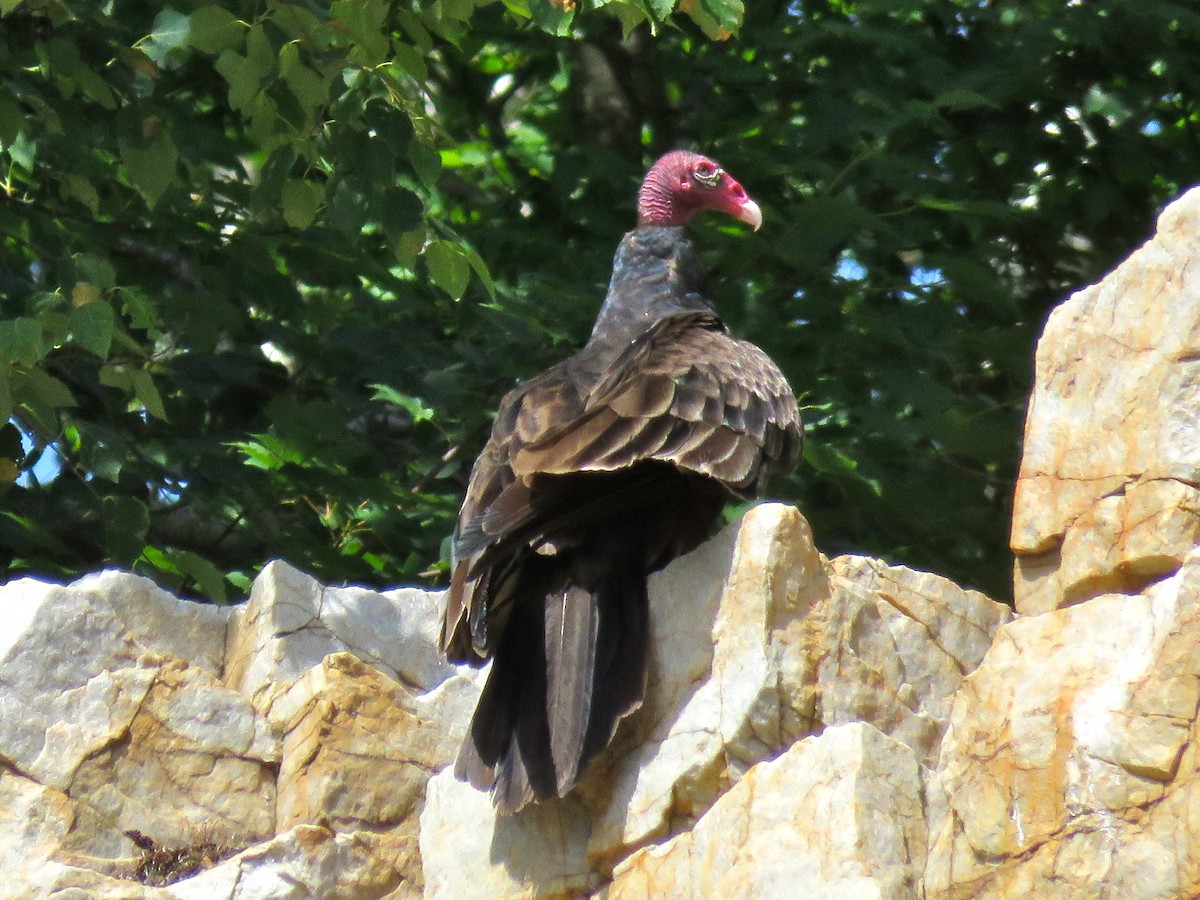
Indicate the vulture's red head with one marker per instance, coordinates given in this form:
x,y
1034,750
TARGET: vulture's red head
x,y
682,184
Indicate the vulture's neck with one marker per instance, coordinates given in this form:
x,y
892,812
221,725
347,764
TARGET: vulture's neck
x,y
655,273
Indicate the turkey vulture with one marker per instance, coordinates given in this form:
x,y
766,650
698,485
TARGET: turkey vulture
x,y
598,472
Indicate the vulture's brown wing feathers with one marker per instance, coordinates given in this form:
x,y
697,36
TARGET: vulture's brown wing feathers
x,y
686,393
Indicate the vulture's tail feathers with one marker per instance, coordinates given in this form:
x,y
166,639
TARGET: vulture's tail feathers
x,y
572,626
622,651
565,673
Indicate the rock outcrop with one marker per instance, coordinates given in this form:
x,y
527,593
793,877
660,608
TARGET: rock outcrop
x,y
176,750
767,659
1108,498
1071,767
819,728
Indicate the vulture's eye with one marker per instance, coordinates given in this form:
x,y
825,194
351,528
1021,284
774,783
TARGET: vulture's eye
x,y
707,174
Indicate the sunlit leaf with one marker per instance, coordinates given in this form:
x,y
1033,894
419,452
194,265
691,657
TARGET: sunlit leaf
x,y
718,19
170,34
448,267
412,405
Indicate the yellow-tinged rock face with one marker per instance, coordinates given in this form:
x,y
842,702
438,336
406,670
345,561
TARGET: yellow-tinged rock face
x,y
1108,497
839,814
1071,754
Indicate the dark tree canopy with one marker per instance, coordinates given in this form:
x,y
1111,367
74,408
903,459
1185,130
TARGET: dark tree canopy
x,y
266,268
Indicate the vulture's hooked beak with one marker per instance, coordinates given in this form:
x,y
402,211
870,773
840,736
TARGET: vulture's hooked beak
x,y
749,213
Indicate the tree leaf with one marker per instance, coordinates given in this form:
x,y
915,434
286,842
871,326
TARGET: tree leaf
x,y
553,16
94,270
448,268
409,247
426,161
146,391
718,19
126,522
214,28
209,579
170,34
21,340
402,212
79,188
631,15
39,396
302,200
6,400
91,325
309,88
151,167
139,308
481,270
117,376
363,21
412,405
267,451
11,118
411,60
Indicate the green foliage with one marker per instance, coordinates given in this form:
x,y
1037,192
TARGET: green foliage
x,y
266,269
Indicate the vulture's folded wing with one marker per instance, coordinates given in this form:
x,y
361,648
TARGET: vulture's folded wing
x,y
685,392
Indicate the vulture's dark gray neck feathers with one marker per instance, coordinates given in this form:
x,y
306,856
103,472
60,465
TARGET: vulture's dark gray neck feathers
x,y
655,273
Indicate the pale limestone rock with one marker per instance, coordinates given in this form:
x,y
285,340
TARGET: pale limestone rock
x,y
89,706
37,824
1071,759
195,764
291,623
469,852
1108,499
795,644
758,642
891,646
71,673
360,748
838,815
307,862
34,822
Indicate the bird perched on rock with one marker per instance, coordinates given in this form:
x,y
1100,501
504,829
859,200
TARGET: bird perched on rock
x,y
598,472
